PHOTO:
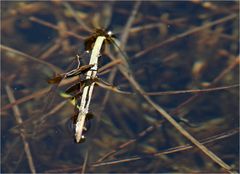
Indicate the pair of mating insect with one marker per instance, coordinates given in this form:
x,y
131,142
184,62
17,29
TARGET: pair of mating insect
x,y
75,91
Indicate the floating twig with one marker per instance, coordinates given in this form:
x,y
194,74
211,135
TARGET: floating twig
x,y
191,90
88,90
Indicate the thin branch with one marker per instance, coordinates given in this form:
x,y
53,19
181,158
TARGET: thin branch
x,y
158,124
125,34
39,120
191,90
37,94
65,82
9,150
48,24
127,27
169,118
171,150
122,146
187,33
85,162
17,115
54,68
226,70
109,65
75,15
54,47
216,80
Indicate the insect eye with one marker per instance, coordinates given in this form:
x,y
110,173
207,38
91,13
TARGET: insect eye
x,y
110,33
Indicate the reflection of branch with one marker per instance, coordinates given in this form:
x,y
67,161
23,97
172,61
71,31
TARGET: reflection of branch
x,y
41,93
19,121
189,32
54,68
171,150
127,27
131,141
208,140
48,24
75,15
36,118
233,64
158,124
169,118
37,94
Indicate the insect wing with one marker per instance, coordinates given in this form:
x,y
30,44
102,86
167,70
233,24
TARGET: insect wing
x,y
55,80
49,100
89,42
74,88
108,86
81,70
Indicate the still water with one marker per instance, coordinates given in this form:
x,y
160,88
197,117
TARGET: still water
x,y
171,46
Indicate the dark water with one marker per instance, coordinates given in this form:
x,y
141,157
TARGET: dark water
x,y
171,46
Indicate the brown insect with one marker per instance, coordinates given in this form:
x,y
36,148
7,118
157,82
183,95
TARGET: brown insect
x,y
75,91
89,42
80,70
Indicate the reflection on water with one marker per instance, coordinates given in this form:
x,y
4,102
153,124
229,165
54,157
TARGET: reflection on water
x,y
171,46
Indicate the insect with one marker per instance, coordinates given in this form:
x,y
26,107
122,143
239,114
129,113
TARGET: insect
x,y
54,81
81,91
75,91
89,42
78,71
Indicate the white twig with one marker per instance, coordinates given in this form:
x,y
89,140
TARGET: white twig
x,y
87,91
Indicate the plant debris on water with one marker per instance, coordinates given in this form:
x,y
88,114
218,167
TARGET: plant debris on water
x,y
166,95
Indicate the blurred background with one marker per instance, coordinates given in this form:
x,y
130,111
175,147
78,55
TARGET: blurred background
x,y
172,46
